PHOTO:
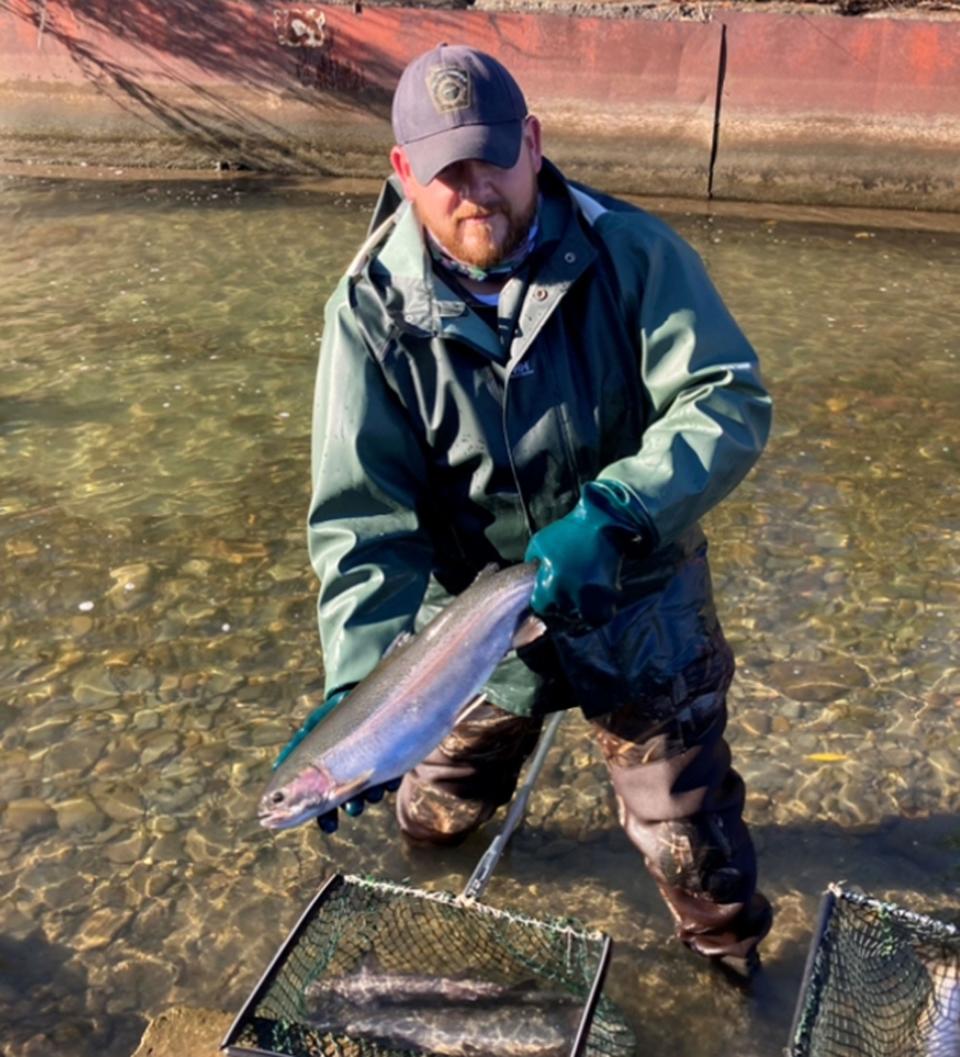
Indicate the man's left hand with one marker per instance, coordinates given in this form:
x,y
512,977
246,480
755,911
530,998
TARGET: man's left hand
x,y
330,820
578,580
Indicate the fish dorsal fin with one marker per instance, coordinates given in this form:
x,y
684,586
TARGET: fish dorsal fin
x,y
401,640
486,572
528,631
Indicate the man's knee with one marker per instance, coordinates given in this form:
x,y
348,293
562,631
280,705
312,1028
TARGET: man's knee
x,y
467,777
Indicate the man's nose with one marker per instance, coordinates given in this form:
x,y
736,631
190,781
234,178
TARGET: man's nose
x,y
474,179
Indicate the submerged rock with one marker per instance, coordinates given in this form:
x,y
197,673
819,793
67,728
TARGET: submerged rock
x,y
183,1030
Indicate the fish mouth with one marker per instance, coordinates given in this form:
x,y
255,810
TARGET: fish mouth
x,y
276,820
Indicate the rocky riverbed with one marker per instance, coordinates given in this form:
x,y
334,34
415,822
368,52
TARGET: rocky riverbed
x,y
157,632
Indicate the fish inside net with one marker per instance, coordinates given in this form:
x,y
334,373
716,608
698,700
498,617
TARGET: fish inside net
x,y
377,968
881,981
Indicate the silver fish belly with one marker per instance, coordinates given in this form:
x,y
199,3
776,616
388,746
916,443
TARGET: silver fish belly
x,y
939,1023
406,706
513,1031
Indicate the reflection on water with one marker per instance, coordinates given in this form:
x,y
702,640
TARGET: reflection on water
x,y
158,637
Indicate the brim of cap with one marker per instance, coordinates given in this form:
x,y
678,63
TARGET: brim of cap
x,y
497,144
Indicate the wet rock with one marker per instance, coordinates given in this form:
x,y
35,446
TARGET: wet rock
x,y
70,892
818,682
136,679
75,756
157,747
169,688
100,928
80,814
755,722
205,847
120,801
131,585
95,689
184,1030
29,816
9,846
146,719
49,732
123,757
126,851
171,798
197,567
140,984
168,848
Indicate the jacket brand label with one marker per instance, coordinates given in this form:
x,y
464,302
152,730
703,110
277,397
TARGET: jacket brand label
x,y
522,370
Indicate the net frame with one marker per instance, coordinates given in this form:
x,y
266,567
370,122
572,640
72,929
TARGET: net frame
x,y
896,935
310,1040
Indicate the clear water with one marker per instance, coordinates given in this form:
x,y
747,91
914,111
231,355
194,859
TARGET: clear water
x,y
156,359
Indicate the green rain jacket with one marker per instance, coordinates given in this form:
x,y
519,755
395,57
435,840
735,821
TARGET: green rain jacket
x,y
440,446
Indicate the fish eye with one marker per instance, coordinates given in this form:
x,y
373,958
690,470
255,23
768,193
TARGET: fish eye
x,y
278,797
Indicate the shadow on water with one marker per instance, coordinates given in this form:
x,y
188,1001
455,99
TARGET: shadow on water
x,y
42,1006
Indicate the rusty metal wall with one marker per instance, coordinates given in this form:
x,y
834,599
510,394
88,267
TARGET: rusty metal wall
x,y
794,108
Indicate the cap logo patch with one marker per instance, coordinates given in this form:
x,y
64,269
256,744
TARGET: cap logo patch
x,y
450,88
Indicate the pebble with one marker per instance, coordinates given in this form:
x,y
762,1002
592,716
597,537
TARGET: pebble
x,y
95,689
157,747
100,928
29,816
168,848
119,801
146,719
74,756
131,585
755,722
126,851
79,814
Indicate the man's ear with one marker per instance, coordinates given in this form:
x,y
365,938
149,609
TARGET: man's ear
x,y
532,135
401,166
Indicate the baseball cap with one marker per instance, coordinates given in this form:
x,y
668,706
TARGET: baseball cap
x,y
454,103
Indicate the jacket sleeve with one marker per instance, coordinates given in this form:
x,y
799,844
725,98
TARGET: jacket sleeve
x,y
710,412
367,545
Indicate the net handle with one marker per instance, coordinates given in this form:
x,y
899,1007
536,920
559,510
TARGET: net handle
x,y
483,871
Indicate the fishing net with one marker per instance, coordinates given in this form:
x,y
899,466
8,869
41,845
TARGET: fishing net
x,y
357,926
880,981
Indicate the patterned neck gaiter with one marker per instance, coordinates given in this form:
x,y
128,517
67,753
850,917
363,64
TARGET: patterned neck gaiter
x,y
499,272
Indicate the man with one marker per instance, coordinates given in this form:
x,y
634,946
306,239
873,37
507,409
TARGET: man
x,y
517,367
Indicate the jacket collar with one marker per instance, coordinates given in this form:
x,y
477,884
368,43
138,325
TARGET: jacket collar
x,y
396,259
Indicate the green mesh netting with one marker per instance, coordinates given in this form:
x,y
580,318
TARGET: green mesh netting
x,y
534,977
881,981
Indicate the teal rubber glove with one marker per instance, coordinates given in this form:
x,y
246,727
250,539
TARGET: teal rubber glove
x,y
580,555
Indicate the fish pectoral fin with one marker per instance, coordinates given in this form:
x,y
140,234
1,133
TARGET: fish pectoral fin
x,y
528,631
401,640
354,788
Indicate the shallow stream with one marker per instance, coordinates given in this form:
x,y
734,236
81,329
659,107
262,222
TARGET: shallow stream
x,y
157,637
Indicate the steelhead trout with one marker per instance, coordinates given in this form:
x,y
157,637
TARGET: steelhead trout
x,y
938,1025
408,704
463,1031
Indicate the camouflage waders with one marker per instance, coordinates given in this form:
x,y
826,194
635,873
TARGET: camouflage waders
x,y
679,800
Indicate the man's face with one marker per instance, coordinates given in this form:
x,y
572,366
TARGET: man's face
x,y
478,212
